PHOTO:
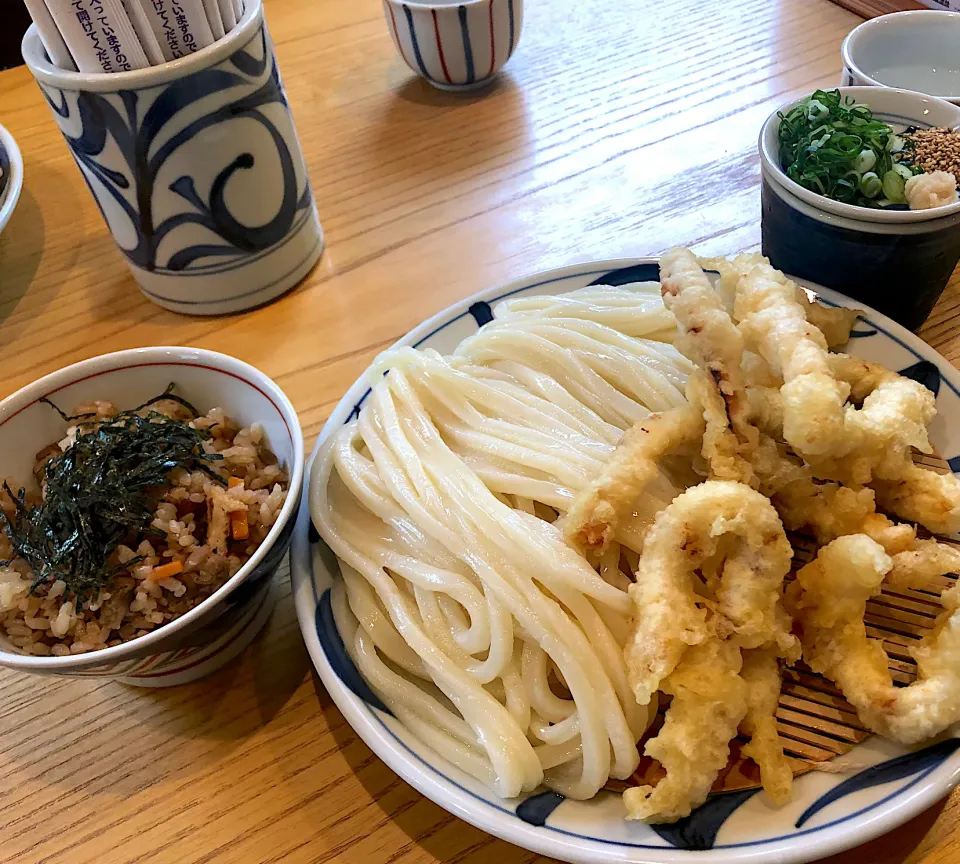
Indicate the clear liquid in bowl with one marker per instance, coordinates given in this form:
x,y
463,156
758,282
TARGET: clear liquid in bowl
x,y
922,77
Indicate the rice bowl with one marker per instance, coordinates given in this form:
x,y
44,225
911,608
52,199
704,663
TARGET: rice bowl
x,y
221,618
191,546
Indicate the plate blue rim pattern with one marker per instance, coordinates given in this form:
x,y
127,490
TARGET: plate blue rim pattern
x,y
699,831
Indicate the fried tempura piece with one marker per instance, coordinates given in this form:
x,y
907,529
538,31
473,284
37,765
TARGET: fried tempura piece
x,y
776,326
893,416
863,376
829,510
922,562
757,372
763,395
899,412
923,496
738,441
690,646
856,446
721,449
709,703
686,535
707,335
761,672
835,322
766,410
591,523
829,600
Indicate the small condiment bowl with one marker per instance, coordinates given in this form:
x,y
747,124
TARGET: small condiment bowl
x,y
218,629
897,261
455,44
11,176
909,50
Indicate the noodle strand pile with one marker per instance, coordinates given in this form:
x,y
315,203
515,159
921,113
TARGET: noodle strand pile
x,y
460,602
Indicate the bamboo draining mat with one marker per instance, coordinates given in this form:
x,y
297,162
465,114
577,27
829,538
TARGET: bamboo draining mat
x,y
814,720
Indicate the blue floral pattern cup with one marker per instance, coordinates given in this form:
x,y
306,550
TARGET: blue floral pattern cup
x,y
196,168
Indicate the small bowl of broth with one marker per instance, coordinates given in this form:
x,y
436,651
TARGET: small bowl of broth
x,y
917,51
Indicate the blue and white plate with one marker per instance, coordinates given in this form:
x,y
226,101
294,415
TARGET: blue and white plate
x,y
886,785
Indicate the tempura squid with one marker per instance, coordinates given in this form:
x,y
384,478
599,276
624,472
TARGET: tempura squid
x,y
865,441
687,639
829,600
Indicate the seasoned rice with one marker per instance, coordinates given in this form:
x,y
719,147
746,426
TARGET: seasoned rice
x,y
191,525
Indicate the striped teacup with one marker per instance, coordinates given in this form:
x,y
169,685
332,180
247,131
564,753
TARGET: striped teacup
x,y
455,45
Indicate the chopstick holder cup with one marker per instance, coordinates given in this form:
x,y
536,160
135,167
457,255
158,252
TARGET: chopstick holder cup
x,y
196,168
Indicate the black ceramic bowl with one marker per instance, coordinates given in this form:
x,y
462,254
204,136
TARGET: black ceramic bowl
x,y
897,261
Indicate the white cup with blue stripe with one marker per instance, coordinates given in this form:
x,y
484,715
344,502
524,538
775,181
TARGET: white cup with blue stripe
x,y
455,44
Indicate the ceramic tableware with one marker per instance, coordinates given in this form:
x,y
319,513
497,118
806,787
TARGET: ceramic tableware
x,y
196,168
884,785
11,176
219,628
898,261
908,50
455,44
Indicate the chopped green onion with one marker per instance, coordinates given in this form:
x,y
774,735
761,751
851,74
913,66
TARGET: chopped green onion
x,y
829,144
819,142
893,185
870,184
865,162
816,109
903,170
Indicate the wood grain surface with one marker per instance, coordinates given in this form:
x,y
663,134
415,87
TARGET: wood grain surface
x,y
875,8
618,129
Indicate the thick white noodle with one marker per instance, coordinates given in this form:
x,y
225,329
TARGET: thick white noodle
x,y
519,442
466,612
635,310
619,377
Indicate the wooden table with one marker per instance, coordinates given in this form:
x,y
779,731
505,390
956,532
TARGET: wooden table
x,y
618,129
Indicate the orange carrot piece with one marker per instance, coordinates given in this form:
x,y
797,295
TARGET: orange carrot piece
x,y
239,525
158,574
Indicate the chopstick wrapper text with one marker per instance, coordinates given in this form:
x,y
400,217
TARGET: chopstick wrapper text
x,y
181,26
99,35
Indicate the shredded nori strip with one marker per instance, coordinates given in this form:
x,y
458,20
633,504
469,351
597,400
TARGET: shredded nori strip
x,y
102,492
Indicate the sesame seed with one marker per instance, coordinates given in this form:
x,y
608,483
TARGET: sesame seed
x,y
935,149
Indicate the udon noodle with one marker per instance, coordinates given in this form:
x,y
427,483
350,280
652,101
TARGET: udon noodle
x,y
461,604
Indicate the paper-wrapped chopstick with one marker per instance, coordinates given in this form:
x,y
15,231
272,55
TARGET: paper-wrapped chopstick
x,y
123,35
141,23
